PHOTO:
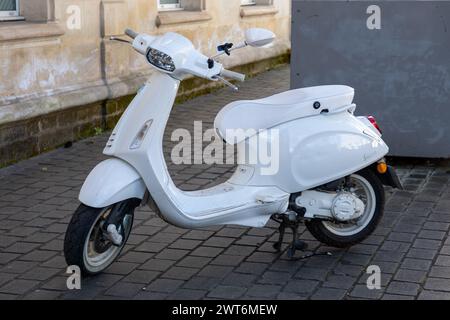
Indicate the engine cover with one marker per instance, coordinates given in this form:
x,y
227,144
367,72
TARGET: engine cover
x,y
346,207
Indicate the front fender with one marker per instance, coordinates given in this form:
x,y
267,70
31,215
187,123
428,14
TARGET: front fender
x,y
111,181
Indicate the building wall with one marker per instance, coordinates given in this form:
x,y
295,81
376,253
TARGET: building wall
x,y
50,64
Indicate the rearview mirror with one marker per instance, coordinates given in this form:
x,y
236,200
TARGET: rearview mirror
x,y
258,37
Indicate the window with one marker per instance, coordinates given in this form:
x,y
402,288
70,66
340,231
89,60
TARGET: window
x,y
248,2
181,11
251,8
9,9
169,4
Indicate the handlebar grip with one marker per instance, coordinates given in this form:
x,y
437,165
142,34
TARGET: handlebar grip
x,y
131,33
232,75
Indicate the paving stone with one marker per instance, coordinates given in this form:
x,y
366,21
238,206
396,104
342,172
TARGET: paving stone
x,y
171,254
146,295
440,272
181,273
263,291
206,251
18,267
42,295
426,254
434,295
361,291
437,284
443,261
231,232
329,294
265,257
239,279
18,286
6,257
252,268
251,240
417,276
301,286
416,264
186,244
403,288
38,255
40,273
431,234
124,289
215,271
396,297
6,241
312,273
121,268
445,250
194,262
101,280
389,256
6,277
221,242
198,234
135,257
227,292
227,260
188,294
202,283
339,282
141,276
157,265
151,247
165,285
239,250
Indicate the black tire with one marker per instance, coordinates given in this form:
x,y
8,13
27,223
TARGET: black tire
x,y
78,232
324,235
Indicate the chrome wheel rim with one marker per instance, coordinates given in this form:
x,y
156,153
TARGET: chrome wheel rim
x,y
364,191
97,256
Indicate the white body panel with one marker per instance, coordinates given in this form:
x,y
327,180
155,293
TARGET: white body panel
x,y
317,150
111,181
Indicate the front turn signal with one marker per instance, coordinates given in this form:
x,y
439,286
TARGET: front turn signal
x,y
382,167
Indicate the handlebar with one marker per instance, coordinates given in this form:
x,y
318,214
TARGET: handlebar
x,y
132,34
232,75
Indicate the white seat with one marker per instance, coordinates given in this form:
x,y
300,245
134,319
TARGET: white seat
x,y
282,107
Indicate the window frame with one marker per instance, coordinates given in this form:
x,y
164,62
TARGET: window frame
x,y
169,7
4,15
248,2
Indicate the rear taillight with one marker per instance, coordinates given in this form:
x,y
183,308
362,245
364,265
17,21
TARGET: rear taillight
x,y
374,123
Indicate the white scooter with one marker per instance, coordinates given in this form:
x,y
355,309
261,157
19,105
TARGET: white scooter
x,y
330,175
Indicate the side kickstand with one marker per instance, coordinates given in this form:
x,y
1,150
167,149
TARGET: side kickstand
x,y
281,230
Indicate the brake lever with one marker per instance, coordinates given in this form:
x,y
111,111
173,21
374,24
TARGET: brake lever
x,y
226,82
119,39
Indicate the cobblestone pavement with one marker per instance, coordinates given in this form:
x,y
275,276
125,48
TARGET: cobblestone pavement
x,y
38,196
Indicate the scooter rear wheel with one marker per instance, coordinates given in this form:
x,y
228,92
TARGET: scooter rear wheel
x,y
85,242
342,235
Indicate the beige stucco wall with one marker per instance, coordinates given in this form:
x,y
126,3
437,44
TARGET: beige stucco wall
x,y
47,66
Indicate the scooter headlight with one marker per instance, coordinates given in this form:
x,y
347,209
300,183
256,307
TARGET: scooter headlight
x,y
160,60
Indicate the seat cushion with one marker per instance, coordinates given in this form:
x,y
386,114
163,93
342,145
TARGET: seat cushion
x,y
282,107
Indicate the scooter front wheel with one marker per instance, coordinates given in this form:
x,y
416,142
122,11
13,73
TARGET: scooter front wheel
x,y
86,243
369,189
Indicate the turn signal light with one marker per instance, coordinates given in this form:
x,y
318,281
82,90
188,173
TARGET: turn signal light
x,y
382,167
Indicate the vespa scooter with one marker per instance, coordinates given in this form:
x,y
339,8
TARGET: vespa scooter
x,y
330,174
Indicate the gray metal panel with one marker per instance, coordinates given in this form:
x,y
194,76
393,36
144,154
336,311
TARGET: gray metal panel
x,y
401,73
